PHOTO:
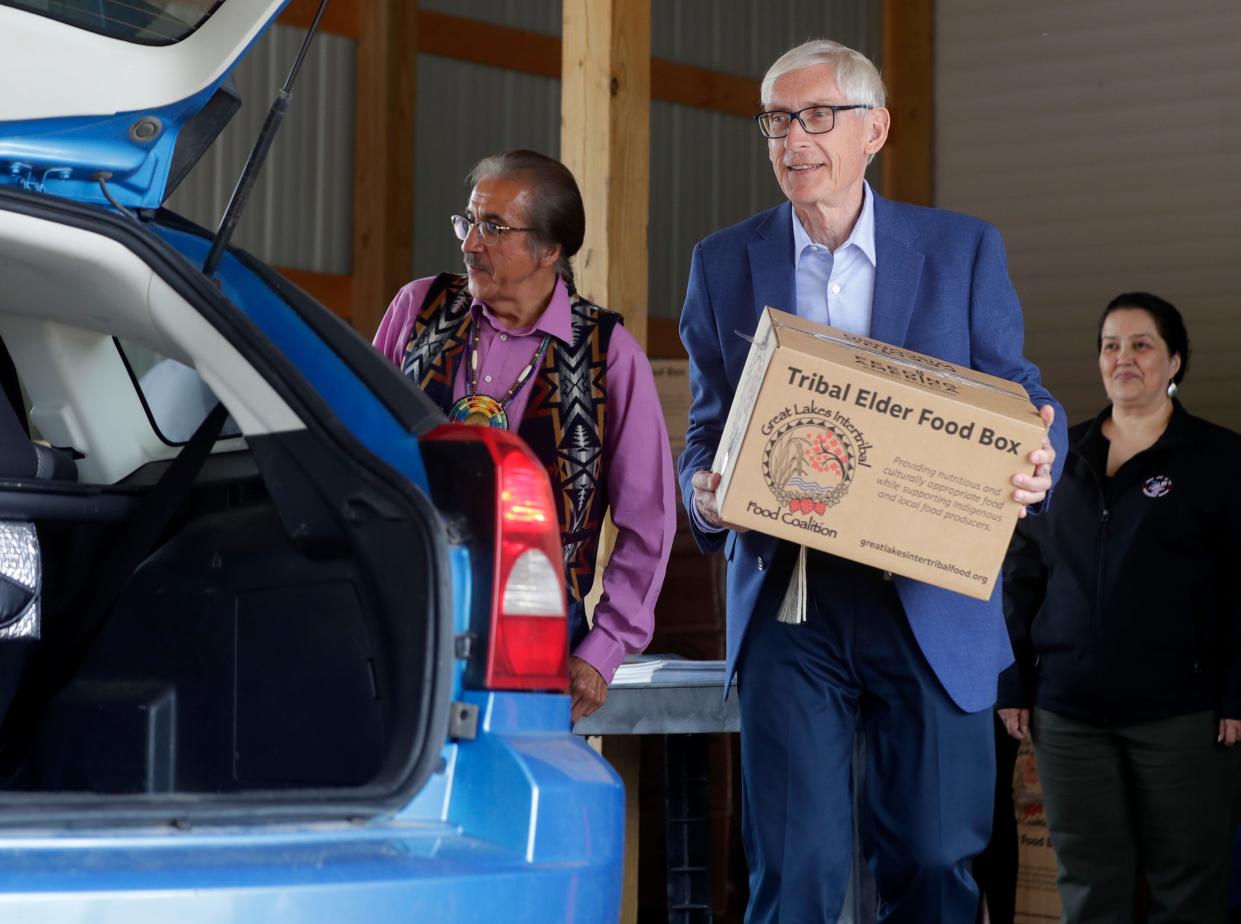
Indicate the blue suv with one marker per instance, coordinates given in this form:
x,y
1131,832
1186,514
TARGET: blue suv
x,y
296,656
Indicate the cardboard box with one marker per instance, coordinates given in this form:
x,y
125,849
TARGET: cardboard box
x,y
672,386
875,453
1038,902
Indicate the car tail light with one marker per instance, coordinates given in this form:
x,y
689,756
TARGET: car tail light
x,y
529,639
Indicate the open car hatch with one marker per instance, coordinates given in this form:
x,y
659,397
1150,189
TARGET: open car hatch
x,y
128,91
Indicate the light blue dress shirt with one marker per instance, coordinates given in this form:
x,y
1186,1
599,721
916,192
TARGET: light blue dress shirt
x,y
838,287
833,287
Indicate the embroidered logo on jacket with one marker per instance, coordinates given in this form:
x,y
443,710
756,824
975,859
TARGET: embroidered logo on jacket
x,y
1157,486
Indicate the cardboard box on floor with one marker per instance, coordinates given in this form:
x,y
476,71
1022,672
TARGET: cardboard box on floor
x,y
1038,902
875,453
672,386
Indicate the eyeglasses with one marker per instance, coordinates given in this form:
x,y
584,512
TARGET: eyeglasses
x,y
489,231
815,120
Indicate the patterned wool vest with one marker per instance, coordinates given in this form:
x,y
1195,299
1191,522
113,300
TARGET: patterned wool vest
x,y
565,418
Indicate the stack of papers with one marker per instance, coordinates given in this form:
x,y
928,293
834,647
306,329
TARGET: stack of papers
x,y
661,669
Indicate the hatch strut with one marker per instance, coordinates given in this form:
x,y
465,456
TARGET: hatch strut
x,y
258,154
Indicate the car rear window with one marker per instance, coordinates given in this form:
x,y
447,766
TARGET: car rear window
x,y
145,22
174,396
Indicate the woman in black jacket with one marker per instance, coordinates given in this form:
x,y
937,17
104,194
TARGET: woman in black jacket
x,y
1124,608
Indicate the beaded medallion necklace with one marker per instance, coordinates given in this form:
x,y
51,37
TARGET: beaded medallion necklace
x,y
484,410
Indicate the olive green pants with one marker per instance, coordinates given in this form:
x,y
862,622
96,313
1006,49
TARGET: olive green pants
x,y
1155,797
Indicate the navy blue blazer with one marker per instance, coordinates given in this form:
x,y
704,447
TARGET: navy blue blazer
x,y
941,288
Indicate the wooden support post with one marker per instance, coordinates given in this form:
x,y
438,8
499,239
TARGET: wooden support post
x,y
383,157
909,71
605,139
624,753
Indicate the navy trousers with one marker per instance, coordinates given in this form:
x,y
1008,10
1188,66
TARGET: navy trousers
x,y
930,768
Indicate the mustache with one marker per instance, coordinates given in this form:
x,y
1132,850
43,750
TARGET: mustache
x,y
475,262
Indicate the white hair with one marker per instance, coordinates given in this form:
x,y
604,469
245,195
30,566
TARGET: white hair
x,y
857,78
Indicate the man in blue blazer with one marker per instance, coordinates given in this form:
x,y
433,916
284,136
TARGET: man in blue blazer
x,y
916,663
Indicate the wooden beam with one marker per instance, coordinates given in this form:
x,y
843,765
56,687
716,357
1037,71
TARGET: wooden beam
x,y
342,17
489,43
624,753
383,157
663,340
605,139
909,71
331,290
703,89
540,54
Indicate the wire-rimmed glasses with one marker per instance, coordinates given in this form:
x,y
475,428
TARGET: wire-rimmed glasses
x,y
489,231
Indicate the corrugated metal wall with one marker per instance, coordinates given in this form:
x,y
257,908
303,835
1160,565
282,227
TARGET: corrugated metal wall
x,y
1103,137
465,112
708,169
301,211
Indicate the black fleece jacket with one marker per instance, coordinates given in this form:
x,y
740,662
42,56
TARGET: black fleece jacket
x,y
1123,599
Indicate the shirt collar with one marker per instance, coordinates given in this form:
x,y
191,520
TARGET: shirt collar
x,y
862,236
556,319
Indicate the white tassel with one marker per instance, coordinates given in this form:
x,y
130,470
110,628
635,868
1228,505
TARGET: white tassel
x,y
793,607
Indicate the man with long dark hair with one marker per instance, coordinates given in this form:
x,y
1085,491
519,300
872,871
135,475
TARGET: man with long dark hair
x,y
513,344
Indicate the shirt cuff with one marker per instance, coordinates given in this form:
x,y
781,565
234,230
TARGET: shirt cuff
x,y
602,653
700,524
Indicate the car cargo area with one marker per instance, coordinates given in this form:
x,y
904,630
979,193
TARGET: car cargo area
x,y
233,659
281,645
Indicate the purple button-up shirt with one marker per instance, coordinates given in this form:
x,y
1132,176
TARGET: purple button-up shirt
x,y
635,445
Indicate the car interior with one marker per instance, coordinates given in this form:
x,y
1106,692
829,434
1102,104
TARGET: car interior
x,y
225,606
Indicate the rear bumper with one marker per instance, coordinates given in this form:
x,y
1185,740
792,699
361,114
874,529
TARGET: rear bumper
x,y
529,786
517,827
422,876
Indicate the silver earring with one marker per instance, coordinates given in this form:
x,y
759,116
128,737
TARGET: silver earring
x,y
1172,389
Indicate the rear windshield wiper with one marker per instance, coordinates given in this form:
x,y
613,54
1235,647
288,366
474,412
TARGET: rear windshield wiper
x,y
258,154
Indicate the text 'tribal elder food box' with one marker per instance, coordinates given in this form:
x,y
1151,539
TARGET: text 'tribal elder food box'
x,y
875,453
